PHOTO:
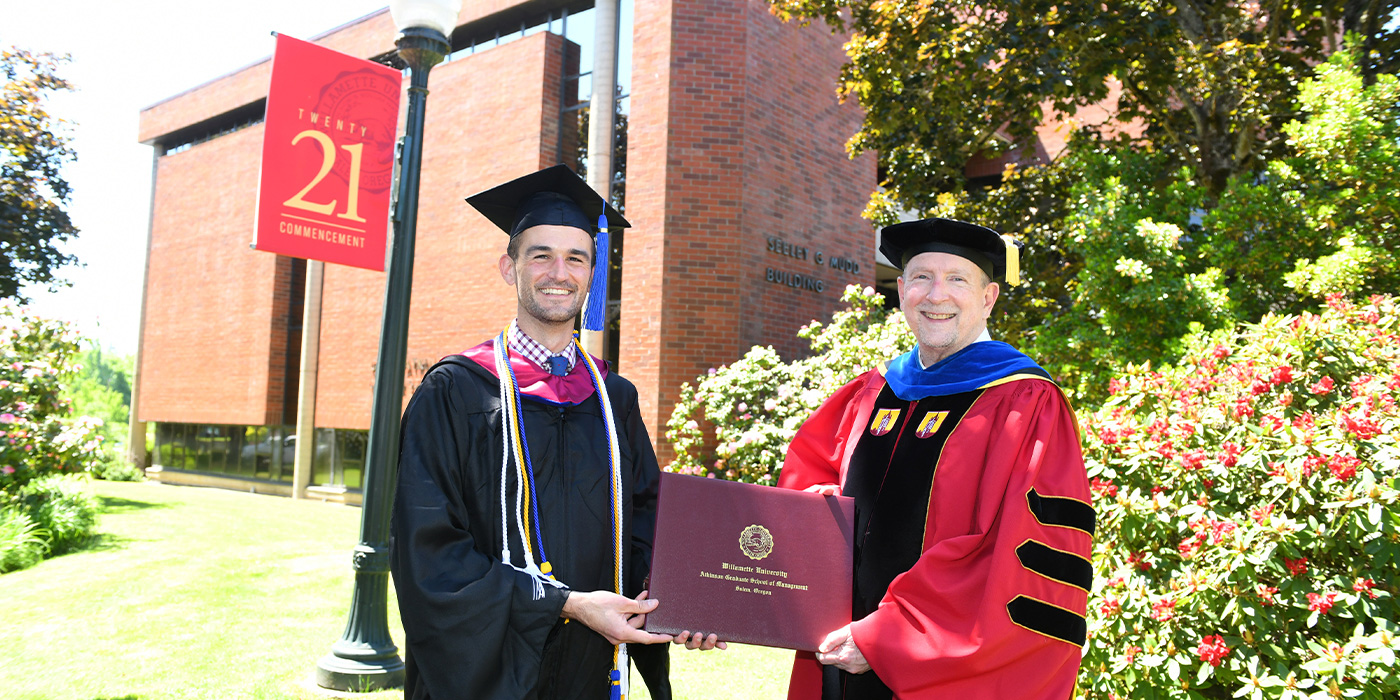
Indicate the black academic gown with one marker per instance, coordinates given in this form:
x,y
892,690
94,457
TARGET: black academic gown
x,y
474,628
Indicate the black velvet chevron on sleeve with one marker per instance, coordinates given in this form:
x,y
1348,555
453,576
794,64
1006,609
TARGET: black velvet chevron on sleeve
x,y
1064,512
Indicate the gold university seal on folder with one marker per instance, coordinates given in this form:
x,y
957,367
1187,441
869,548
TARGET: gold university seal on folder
x,y
756,542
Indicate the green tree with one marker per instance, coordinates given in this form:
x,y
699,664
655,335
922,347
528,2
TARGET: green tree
x,y
1212,84
102,389
33,191
38,434
1129,257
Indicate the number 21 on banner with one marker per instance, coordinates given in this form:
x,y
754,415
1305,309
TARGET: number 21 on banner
x,y
352,205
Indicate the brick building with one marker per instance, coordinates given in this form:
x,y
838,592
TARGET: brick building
x,y
744,205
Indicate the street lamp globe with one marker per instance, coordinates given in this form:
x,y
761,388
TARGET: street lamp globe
x,y
431,14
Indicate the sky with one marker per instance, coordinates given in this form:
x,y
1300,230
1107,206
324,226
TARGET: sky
x,y
127,56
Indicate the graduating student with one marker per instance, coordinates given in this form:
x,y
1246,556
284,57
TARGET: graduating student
x,y
973,524
526,502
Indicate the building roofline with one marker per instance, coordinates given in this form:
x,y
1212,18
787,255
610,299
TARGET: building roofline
x,y
262,60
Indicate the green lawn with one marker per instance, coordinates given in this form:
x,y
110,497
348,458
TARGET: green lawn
x,y
205,593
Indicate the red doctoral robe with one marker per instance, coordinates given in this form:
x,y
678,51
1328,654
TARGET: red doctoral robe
x,y
973,537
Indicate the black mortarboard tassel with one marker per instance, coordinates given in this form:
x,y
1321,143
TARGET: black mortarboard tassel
x,y
553,196
997,255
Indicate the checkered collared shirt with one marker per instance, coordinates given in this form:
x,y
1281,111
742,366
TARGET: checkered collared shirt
x,y
530,349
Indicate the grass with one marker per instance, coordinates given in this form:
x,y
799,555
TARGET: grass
x,y
192,593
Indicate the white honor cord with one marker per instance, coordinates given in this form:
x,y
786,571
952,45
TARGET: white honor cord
x,y
509,412
622,664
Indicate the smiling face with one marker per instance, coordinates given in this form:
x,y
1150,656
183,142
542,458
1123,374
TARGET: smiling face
x,y
946,299
551,270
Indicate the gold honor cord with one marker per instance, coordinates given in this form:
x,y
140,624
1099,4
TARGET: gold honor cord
x,y
513,445
512,436
620,661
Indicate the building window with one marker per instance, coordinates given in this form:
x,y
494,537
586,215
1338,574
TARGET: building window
x,y
261,452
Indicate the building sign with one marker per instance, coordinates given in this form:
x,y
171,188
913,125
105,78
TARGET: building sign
x,y
800,279
328,156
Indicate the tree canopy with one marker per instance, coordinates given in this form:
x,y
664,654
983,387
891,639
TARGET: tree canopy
x,y
1210,83
33,192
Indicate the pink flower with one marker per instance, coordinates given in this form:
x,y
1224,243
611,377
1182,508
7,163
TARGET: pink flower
x,y
1131,652
1343,467
1164,610
1297,567
1190,546
8,470
1101,486
1229,454
1107,435
1266,594
1259,514
1193,460
1313,463
1283,374
1111,607
1212,649
1220,352
7,418
1363,428
1364,585
1323,386
1321,603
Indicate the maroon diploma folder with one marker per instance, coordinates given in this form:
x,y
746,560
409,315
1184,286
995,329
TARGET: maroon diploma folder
x,y
752,564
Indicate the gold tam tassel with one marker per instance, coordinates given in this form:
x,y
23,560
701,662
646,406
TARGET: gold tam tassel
x,y
1013,261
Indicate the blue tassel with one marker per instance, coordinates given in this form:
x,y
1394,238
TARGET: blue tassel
x,y
596,312
616,684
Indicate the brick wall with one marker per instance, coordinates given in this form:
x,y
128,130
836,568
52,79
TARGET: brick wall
x,y
491,117
216,323
735,137
800,186
370,36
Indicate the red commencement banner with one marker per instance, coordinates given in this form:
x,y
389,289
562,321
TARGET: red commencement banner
x,y
328,156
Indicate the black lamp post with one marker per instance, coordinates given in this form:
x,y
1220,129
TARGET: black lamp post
x,y
365,658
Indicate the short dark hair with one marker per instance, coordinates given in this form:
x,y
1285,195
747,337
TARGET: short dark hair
x,y
513,248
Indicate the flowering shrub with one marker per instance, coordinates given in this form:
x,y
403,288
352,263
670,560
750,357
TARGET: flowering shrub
x,y
37,435
749,410
1248,521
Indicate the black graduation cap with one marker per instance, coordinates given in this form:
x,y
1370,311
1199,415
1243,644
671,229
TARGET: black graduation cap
x,y
555,195
997,255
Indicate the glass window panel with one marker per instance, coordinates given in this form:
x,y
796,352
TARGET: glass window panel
x,y
162,456
182,454
199,446
351,448
324,456
262,452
